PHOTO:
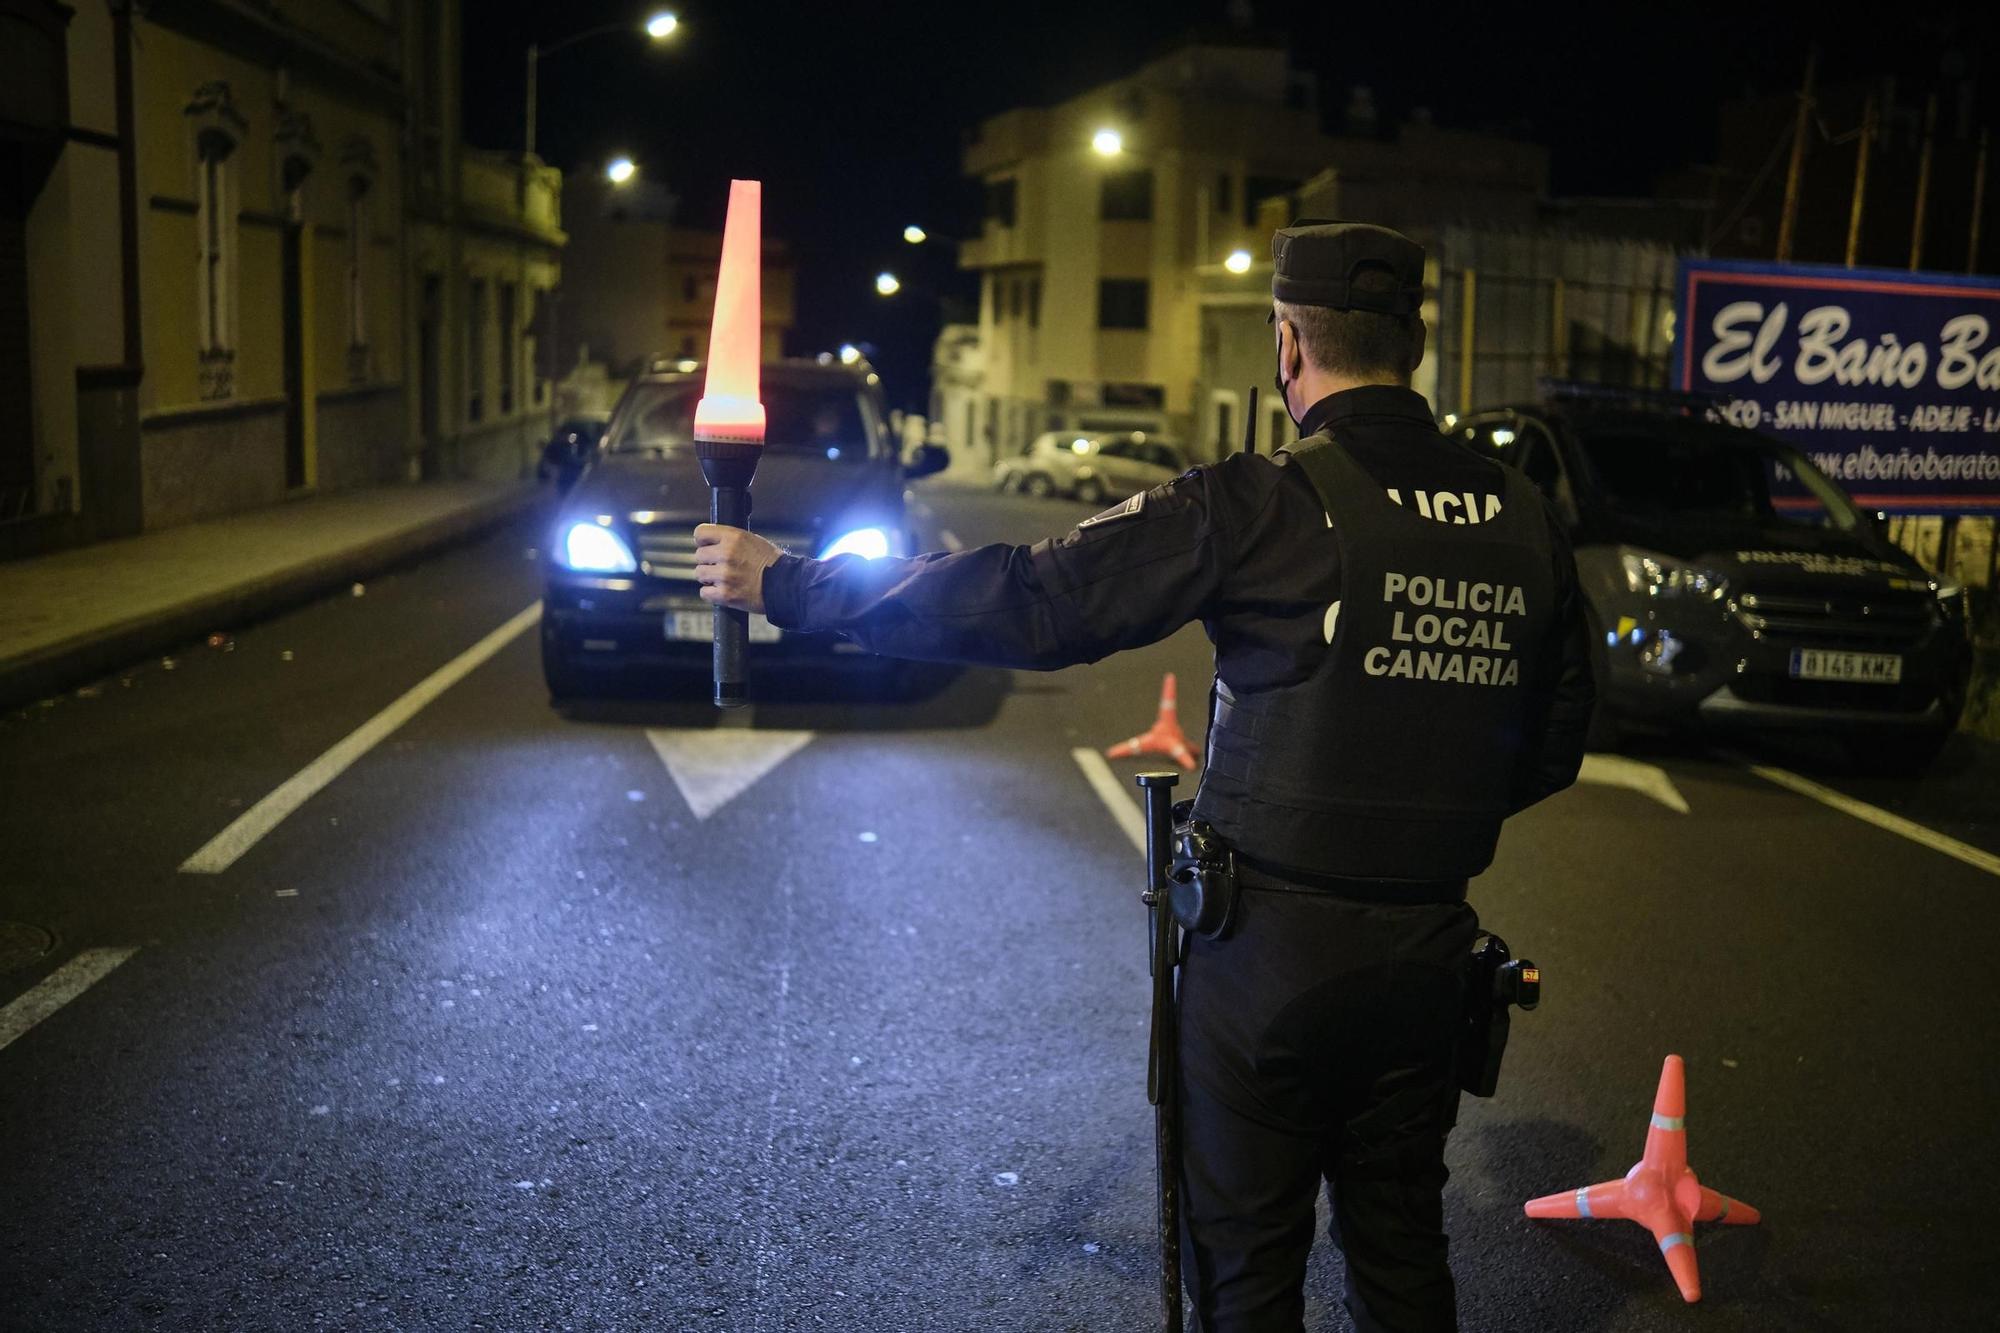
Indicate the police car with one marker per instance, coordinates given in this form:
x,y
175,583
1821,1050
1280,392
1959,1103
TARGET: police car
x,y
619,563
1731,584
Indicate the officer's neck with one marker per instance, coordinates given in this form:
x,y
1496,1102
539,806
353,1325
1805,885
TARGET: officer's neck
x,y
1313,384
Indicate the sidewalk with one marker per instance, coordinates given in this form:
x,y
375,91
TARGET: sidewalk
x,y
68,617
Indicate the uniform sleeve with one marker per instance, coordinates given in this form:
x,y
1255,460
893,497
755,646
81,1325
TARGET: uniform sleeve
x,y
1559,716
1130,576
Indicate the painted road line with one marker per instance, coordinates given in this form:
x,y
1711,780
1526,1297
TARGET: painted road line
x,y
221,851
950,540
57,989
1904,828
1123,807
1649,780
712,766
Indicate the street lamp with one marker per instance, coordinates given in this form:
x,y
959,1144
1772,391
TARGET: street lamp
x,y
620,170
1238,261
915,235
1108,142
661,25
849,354
887,284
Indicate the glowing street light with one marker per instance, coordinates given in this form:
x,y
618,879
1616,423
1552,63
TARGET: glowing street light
x,y
915,235
1238,261
849,354
887,284
620,170
662,25
1108,142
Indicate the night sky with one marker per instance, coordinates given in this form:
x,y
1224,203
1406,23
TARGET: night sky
x,y
853,114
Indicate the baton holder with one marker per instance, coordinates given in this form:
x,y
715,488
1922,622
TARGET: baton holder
x,y
728,466
1162,1079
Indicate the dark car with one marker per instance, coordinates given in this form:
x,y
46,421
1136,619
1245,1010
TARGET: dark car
x,y
1731,584
619,565
569,448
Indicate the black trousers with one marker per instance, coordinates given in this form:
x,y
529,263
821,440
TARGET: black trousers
x,y
1318,1045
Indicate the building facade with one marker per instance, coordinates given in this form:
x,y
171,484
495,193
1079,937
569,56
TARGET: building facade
x,y
244,259
1089,260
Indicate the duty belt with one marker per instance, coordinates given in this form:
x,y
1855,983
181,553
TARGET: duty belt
x,y
1252,874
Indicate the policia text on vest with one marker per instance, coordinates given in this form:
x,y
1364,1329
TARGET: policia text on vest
x,y
1457,660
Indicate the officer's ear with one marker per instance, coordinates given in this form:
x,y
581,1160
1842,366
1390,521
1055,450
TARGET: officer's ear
x,y
1290,357
1418,340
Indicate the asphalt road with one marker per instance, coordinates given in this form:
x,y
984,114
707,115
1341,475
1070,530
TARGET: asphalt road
x,y
614,1017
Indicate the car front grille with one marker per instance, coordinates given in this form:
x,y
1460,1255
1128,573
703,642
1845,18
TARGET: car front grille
x,y
1838,621
667,551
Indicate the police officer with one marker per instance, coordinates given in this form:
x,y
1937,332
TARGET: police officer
x,y
1400,664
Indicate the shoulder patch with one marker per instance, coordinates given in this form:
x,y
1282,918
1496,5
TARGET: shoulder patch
x,y
1129,509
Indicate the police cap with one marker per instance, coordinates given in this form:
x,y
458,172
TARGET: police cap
x,y
1318,262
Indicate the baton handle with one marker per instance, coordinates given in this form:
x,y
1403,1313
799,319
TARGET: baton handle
x,y
730,505
1161,1075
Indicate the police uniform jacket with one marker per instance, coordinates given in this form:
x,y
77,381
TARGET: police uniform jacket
x,y
1238,545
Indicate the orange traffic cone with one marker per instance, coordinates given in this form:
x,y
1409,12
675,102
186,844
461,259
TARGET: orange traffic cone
x,y
1660,1193
1164,737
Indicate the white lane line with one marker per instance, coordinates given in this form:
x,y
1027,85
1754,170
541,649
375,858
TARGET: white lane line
x,y
221,851
57,989
1122,806
1650,780
1905,828
950,540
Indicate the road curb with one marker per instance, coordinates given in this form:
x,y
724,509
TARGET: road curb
x,y
58,666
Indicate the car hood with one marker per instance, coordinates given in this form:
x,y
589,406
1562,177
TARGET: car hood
x,y
792,492
1775,553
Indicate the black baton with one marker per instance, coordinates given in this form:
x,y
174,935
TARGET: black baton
x,y
728,466
1163,955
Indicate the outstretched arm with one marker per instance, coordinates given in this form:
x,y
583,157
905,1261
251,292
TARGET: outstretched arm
x,y
1129,576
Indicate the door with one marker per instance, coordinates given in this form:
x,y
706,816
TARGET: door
x,y
17,417
428,315
293,319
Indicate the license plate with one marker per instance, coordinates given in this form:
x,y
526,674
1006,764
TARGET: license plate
x,y
1860,668
699,626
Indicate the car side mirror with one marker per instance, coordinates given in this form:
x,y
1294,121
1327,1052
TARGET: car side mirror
x,y
927,460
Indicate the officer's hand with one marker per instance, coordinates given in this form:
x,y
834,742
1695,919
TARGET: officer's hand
x,y
730,564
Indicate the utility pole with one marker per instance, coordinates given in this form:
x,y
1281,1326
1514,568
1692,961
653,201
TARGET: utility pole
x,y
1860,179
1923,184
1978,205
1788,219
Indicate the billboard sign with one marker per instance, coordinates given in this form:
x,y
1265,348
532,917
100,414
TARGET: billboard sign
x,y
1888,381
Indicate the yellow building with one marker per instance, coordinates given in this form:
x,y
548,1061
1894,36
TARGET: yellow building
x,y
246,247
1098,212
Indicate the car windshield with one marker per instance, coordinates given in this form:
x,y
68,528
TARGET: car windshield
x,y
831,420
1714,476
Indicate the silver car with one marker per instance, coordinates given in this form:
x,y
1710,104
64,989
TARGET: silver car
x,y
1091,466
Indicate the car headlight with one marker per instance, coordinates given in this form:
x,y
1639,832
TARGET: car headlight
x,y
1654,575
596,549
868,543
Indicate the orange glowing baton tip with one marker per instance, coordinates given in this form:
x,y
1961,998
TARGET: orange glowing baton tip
x,y
731,408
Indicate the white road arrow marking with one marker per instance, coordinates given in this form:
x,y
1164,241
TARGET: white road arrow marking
x,y
714,765
1649,780
57,989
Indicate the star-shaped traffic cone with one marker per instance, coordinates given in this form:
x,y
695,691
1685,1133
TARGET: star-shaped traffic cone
x,y
1164,737
1660,1193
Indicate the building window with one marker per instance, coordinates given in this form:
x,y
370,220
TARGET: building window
x,y
1034,303
475,352
1225,196
1000,202
215,225
1121,303
508,355
687,288
357,253
1016,292
1127,196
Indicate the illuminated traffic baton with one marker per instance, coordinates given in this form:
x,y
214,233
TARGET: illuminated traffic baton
x,y
729,420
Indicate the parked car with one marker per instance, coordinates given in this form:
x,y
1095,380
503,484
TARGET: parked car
x,y
1090,466
619,565
569,447
1731,584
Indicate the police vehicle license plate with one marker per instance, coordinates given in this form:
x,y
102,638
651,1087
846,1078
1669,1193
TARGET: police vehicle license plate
x,y
1860,668
700,626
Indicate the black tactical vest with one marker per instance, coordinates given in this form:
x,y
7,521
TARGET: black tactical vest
x,y
1395,759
